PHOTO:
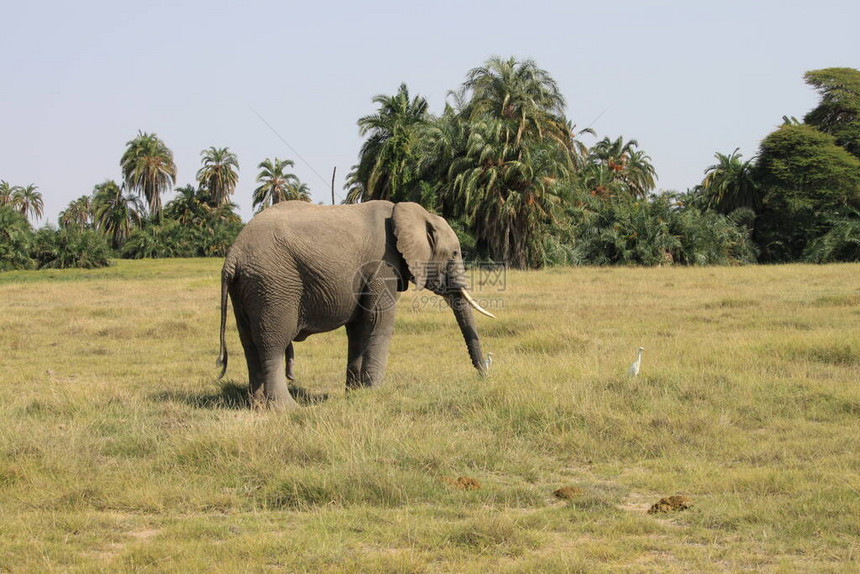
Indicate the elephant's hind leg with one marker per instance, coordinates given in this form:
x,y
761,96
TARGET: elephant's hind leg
x,y
291,359
277,394
275,340
358,333
252,358
264,351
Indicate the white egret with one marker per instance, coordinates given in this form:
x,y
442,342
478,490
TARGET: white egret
x,y
633,371
488,361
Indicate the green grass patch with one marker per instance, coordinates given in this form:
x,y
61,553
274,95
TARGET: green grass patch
x,y
120,450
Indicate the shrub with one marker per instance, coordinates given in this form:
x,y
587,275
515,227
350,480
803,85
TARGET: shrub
x,y
174,239
654,231
840,243
70,247
16,237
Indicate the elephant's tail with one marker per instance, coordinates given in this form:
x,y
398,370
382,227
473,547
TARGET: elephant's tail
x,y
226,279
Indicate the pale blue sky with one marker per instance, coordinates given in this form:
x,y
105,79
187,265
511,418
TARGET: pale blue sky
x,y
685,79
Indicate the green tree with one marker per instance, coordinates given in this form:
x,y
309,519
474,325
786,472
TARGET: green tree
x,y
115,214
840,243
161,240
148,170
301,191
602,181
440,141
277,184
630,169
729,184
219,174
189,206
16,237
201,230
388,160
507,192
579,152
6,192
517,150
524,97
808,181
27,201
838,113
78,214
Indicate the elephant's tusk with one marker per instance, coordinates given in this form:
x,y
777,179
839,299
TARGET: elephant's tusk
x,y
474,303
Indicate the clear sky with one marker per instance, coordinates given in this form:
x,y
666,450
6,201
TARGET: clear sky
x,y
684,78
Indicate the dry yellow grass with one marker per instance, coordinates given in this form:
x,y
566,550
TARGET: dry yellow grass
x,y
119,449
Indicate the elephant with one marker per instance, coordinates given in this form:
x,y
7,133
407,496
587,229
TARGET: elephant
x,y
297,269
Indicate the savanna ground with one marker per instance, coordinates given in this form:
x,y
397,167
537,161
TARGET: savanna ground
x,y
120,450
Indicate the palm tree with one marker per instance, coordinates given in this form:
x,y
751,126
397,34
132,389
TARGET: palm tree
x,y
189,207
277,185
16,240
6,192
441,141
78,214
730,184
640,175
632,168
219,174
521,94
578,150
601,181
225,214
148,169
614,153
115,214
507,191
388,160
300,190
517,148
27,201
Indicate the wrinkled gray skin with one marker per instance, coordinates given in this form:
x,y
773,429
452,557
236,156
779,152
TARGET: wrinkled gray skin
x,y
297,269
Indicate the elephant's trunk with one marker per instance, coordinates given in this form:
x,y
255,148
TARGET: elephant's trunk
x,y
466,321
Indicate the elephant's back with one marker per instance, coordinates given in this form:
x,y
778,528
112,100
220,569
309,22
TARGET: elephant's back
x,y
321,245
306,229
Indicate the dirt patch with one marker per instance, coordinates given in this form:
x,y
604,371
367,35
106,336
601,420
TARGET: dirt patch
x,y
671,504
145,534
110,551
462,483
568,492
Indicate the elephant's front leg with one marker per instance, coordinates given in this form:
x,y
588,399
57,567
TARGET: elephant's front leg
x,y
376,355
369,337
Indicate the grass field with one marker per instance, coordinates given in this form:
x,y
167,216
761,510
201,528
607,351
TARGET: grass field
x,y
120,450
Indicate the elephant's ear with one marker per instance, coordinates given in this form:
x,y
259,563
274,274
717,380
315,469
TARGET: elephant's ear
x,y
416,238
